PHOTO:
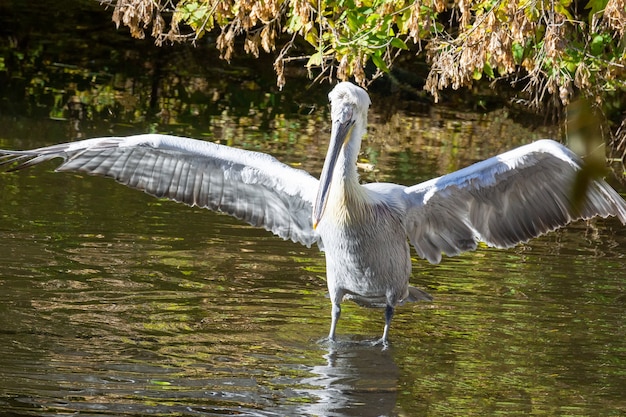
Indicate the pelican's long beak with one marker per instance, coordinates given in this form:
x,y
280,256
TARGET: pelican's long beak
x,y
339,135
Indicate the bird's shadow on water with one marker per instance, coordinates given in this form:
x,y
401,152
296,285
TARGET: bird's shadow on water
x,y
359,378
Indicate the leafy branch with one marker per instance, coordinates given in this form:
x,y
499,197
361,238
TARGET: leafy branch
x,y
549,49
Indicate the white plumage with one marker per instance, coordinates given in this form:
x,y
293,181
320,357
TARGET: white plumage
x,y
363,229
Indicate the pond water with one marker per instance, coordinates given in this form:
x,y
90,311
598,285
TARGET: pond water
x,y
116,303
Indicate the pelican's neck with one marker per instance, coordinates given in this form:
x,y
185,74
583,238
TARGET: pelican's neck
x,y
347,189
347,164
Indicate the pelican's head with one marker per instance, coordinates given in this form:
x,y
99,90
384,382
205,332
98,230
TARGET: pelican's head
x,y
348,108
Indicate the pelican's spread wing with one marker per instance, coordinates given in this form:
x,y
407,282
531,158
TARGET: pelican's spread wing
x,y
251,186
503,201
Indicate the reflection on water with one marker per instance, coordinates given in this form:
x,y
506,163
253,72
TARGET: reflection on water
x,y
358,379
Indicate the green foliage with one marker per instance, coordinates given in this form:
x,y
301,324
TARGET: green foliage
x,y
195,14
547,48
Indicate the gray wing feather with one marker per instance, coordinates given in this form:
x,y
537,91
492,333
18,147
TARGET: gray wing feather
x,y
250,186
503,201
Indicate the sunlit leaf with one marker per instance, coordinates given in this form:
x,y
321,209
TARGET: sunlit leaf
x,y
518,52
488,70
399,43
562,8
597,45
380,63
594,7
311,36
315,60
354,21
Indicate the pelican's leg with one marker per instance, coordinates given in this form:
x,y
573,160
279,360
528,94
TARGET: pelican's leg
x,y
336,295
336,312
388,316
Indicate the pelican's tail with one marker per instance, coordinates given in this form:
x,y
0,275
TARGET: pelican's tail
x,y
415,294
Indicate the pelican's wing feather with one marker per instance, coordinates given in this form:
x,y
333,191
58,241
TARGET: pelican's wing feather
x,y
250,186
504,200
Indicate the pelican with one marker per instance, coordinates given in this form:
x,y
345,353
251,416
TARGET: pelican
x,y
364,230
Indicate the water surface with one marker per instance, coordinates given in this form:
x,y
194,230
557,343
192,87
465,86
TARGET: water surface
x,y
113,302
